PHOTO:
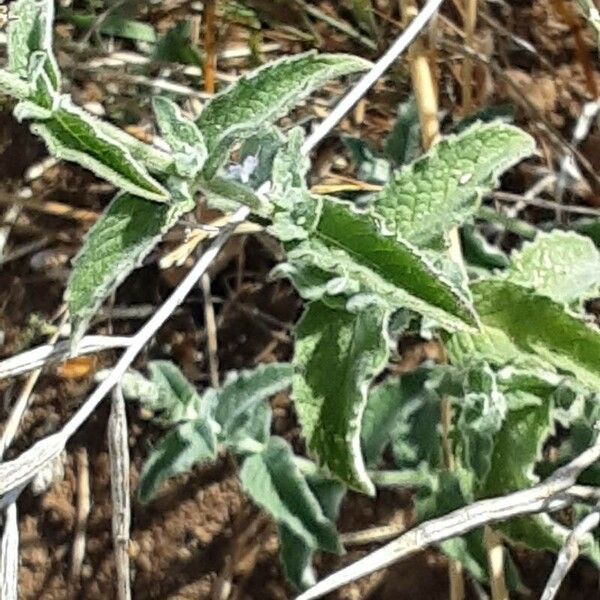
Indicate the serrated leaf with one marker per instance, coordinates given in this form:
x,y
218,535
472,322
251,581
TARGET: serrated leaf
x,y
270,92
536,326
439,191
337,354
295,555
73,134
30,30
188,444
233,404
348,245
561,265
115,245
274,482
182,135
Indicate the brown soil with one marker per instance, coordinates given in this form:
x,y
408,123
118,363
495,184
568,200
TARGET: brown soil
x,y
201,526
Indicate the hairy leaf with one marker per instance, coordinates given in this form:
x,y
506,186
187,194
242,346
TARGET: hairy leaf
x,y
347,244
30,30
73,134
233,404
188,444
177,399
337,354
274,482
295,555
270,92
536,325
12,85
482,412
562,265
116,244
182,135
442,189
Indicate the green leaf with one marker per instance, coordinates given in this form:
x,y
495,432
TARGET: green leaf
x,y
188,444
182,135
535,325
233,404
269,93
73,134
274,482
479,252
385,406
405,412
364,15
439,191
337,354
403,145
562,265
347,244
116,244
30,30
518,446
416,440
14,86
177,399
482,412
295,555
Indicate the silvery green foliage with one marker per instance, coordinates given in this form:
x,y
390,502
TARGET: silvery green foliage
x,y
118,243
72,134
237,417
183,136
562,265
428,198
337,355
269,93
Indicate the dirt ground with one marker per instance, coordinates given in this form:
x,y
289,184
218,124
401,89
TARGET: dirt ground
x,y
201,530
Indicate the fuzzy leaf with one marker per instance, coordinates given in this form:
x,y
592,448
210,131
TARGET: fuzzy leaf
x,y
482,412
269,93
346,244
337,354
233,404
73,134
182,135
177,399
274,482
12,85
535,325
561,265
295,555
517,448
116,244
30,30
439,191
188,444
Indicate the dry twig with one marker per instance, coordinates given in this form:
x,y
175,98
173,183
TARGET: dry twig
x,y
555,493
118,452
